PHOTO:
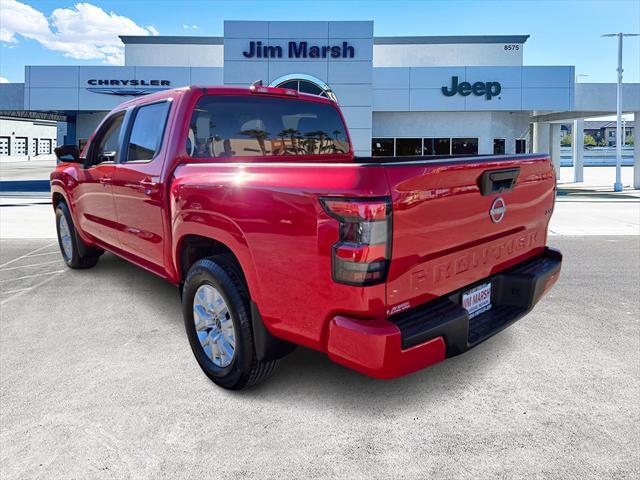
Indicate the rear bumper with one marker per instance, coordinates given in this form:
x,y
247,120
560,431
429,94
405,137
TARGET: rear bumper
x,y
427,334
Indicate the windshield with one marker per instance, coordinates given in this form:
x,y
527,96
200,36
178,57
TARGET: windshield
x,y
250,126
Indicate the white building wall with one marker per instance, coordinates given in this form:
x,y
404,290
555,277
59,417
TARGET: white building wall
x,y
590,97
485,126
446,55
33,130
173,55
510,126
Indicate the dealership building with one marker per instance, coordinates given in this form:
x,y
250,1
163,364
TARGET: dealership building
x,y
400,95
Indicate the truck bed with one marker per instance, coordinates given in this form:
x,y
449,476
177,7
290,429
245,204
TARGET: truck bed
x,y
416,159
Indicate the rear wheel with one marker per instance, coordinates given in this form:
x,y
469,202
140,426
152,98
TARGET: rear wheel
x,y
216,312
74,252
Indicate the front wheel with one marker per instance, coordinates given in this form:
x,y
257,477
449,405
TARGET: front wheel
x,y
216,312
75,253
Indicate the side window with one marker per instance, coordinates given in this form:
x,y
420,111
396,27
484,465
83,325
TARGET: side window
x,y
147,130
107,142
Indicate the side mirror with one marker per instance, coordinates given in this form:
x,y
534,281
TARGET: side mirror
x,y
68,153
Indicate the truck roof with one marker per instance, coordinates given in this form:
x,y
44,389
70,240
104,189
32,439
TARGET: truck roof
x,y
225,90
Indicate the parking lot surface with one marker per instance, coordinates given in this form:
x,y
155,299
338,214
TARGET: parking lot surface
x,y
98,381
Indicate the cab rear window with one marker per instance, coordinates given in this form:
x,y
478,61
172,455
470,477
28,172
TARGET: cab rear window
x,y
254,126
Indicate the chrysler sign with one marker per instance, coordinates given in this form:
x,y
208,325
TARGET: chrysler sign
x,y
131,87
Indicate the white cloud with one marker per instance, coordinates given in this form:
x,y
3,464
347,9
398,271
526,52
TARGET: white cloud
x,y
190,27
4,80
85,32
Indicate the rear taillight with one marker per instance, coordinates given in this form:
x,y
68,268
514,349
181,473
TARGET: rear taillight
x,y
361,255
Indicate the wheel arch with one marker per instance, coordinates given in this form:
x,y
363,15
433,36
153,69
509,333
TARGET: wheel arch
x,y
191,247
58,195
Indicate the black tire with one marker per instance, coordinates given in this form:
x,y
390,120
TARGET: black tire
x,y
244,370
81,256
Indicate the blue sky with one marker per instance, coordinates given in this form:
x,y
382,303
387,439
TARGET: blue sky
x,y
562,32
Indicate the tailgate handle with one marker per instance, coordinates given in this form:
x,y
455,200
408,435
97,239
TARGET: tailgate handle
x,y
498,181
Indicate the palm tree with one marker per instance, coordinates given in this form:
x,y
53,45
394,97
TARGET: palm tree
x,y
293,134
259,135
319,135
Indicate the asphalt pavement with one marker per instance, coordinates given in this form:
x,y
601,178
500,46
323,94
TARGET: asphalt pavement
x,y
97,381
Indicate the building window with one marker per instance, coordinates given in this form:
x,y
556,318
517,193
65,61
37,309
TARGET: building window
x,y
521,145
499,146
407,147
437,146
443,146
382,147
304,84
464,146
612,133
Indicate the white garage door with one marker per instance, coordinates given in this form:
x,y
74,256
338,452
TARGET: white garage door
x,y
20,146
4,145
44,146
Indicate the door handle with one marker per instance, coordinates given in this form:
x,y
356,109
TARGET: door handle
x,y
105,181
148,186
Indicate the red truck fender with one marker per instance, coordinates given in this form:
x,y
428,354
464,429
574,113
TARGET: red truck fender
x,y
227,234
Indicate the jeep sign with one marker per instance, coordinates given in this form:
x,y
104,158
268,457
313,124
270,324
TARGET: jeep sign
x,y
488,89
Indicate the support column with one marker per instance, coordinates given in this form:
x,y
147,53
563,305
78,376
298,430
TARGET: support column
x,y
554,147
577,147
70,136
636,151
540,138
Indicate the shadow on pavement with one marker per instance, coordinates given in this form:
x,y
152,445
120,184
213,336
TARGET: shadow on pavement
x,y
308,373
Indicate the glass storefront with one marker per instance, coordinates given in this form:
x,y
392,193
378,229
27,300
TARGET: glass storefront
x,y
383,147
404,147
464,146
437,146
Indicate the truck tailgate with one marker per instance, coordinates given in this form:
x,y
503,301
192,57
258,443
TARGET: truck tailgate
x,y
451,229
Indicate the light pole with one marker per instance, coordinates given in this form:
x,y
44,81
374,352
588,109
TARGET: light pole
x,y
617,187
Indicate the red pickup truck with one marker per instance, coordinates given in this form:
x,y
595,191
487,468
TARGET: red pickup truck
x,y
251,201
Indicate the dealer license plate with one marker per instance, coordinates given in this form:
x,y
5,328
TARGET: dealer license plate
x,y
477,300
